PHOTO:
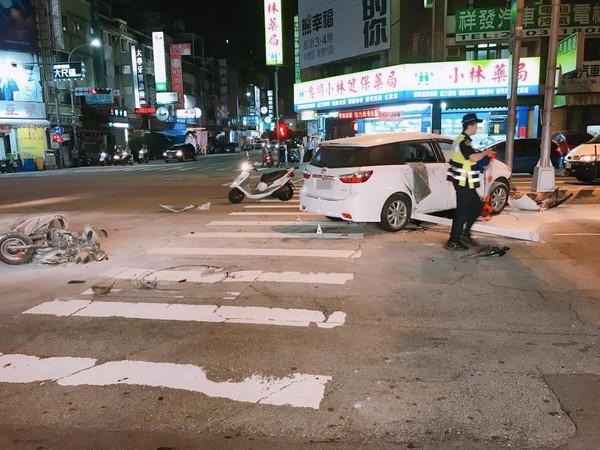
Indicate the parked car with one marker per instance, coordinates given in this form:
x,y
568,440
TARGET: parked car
x,y
583,162
180,152
232,147
526,154
259,144
384,178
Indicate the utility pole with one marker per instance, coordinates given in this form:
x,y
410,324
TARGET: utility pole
x,y
543,173
516,35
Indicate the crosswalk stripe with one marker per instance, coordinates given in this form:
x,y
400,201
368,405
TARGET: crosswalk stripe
x,y
297,390
254,315
281,222
269,213
272,234
220,275
287,205
255,252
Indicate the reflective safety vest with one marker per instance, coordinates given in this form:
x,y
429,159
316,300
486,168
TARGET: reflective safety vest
x,y
461,169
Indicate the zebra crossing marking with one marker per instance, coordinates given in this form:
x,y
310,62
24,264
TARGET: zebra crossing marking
x,y
281,222
271,234
254,315
220,275
272,213
298,390
279,252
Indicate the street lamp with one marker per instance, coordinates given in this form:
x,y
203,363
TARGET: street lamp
x,y
94,43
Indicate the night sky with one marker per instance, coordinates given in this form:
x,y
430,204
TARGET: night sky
x,y
230,29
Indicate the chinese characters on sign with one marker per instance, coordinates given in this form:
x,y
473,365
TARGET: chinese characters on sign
x,y
158,51
139,85
475,24
176,73
586,80
273,33
362,114
417,81
68,70
328,29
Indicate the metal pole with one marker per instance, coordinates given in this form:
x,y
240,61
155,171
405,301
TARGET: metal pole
x,y
57,105
277,104
515,48
543,174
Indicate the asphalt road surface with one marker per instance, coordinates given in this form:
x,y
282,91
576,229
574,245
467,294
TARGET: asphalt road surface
x,y
258,326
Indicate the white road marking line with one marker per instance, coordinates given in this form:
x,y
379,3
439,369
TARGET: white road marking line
x,y
270,213
45,201
576,234
271,234
288,252
297,390
281,222
273,206
255,315
246,276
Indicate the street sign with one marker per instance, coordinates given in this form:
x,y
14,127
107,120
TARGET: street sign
x,y
58,129
82,90
68,71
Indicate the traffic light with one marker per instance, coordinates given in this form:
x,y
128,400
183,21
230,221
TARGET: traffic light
x,y
96,91
57,137
282,130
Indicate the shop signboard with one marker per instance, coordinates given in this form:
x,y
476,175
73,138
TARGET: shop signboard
x,y
453,79
273,33
22,110
31,141
73,70
569,54
584,81
158,54
493,23
332,30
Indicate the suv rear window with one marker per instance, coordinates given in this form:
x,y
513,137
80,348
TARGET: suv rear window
x,y
335,157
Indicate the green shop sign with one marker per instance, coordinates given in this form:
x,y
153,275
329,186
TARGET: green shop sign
x,y
478,24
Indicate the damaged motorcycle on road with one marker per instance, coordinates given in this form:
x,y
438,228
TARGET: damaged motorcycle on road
x,y
48,239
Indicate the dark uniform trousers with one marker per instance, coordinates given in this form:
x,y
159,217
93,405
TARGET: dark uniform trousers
x,y
468,209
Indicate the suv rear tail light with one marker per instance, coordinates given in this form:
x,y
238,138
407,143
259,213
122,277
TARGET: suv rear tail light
x,y
306,174
356,177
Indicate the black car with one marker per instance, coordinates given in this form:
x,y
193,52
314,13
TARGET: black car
x,y
180,152
526,154
232,147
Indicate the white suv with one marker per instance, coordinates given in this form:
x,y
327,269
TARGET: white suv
x,y
583,162
383,178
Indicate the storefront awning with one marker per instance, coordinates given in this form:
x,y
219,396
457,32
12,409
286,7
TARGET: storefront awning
x,y
16,123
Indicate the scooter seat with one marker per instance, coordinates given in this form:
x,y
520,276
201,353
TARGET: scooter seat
x,y
272,176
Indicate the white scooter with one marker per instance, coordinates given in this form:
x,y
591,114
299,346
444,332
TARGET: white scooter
x,y
276,184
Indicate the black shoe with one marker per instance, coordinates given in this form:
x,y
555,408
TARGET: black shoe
x,y
451,245
468,240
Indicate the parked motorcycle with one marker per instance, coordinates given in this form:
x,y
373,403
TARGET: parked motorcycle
x,y
122,156
277,184
143,155
105,159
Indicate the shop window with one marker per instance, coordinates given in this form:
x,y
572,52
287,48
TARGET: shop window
x,y
124,45
77,28
486,51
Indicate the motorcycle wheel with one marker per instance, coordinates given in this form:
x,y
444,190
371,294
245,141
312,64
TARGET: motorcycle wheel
x,y
236,196
16,248
285,193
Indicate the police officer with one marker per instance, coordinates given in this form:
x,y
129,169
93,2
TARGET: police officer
x,y
465,175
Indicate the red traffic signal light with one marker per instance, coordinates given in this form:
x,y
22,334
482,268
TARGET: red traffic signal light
x,y
282,130
57,138
95,91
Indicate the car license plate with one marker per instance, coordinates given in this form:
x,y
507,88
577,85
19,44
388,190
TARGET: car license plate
x,y
324,183
567,165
